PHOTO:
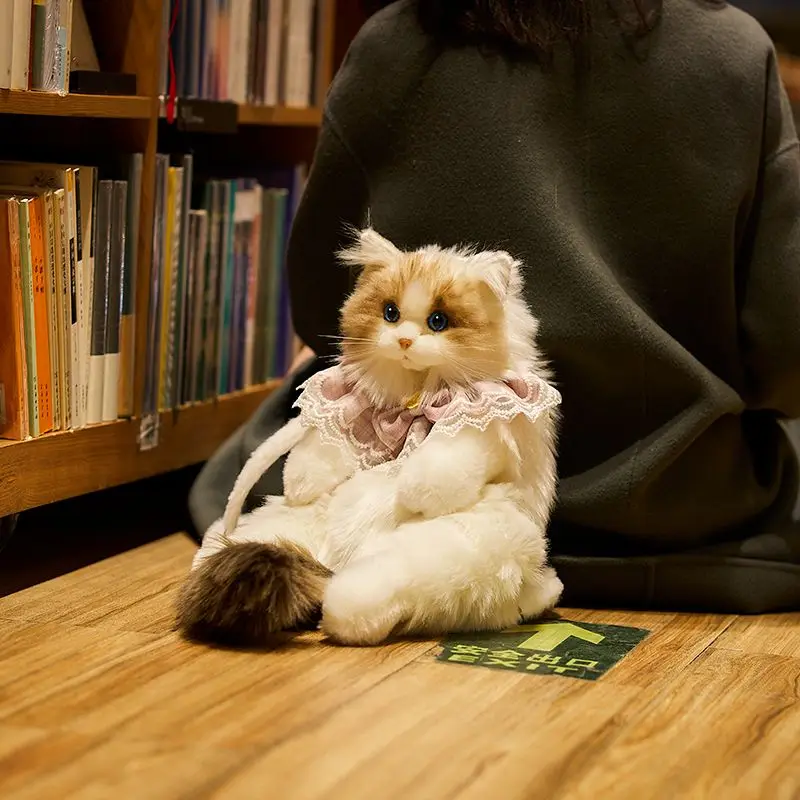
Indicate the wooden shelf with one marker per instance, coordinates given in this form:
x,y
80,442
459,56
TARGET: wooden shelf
x,y
62,465
74,105
277,115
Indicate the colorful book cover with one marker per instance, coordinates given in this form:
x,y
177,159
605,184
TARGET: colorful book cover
x,y
13,365
63,299
26,270
36,216
49,226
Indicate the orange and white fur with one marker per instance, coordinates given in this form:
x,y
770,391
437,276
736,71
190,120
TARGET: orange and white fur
x,y
453,537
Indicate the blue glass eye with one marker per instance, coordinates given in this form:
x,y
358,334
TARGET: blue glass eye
x,y
438,321
391,313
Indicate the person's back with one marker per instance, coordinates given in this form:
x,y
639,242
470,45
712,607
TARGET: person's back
x,y
654,196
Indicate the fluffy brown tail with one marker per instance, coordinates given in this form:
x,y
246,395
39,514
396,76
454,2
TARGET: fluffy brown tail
x,y
246,593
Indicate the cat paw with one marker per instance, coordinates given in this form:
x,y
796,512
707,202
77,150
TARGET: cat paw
x,y
427,487
360,606
540,595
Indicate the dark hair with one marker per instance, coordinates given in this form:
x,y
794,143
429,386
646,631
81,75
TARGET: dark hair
x,y
533,26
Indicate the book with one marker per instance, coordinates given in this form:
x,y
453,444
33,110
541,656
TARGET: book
x,y
63,319
296,72
50,269
75,288
100,305
273,57
199,240
13,362
21,45
39,13
117,235
150,399
35,233
86,188
28,309
182,284
127,334
6,42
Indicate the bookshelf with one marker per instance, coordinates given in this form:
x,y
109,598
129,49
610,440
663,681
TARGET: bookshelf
x,y
64,464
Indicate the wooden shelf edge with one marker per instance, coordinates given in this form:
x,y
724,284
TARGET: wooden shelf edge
x,y
67,464
75,105
279,115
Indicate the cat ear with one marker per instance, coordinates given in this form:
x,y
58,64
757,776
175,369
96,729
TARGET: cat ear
x,y
495,268
370,251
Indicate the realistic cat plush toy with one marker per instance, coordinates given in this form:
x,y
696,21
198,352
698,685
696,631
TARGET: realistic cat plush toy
x,y
420,475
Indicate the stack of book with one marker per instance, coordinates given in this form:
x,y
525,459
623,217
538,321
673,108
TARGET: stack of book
x,y
35,37
219,305
262,52
66,296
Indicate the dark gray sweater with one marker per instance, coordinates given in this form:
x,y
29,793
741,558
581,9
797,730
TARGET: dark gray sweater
x,y
656,207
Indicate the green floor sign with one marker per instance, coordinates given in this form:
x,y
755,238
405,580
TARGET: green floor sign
x,y
556,647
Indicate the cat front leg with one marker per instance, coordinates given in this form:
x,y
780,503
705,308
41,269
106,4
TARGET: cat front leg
x,y
314,469
447,474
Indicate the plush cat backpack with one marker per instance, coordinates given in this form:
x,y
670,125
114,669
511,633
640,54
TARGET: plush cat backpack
x,y
420,474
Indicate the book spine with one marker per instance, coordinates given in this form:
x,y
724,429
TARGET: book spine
x,y
183,283
174,255
63,306
6,42
82,369
253,263
54,331
119,210
21,45
75,339
87,188
100,304
163,46
26,269
226,287
150,398
260,338
187,354
64,49
274,58
211,314
238,289
128,288
38,43
36,234
276,315
166,297
13,368
197,38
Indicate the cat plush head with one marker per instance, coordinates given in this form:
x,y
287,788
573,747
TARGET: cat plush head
x,y
431,317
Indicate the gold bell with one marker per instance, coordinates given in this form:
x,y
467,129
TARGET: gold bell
x,y
413,402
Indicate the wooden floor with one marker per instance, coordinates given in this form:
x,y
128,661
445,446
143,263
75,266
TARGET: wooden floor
x,y
100,699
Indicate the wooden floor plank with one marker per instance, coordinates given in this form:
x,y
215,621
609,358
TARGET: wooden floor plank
x,y
778,634
132,591
727,728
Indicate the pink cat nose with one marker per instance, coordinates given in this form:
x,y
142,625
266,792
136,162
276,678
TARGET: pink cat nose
x,y
405,343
